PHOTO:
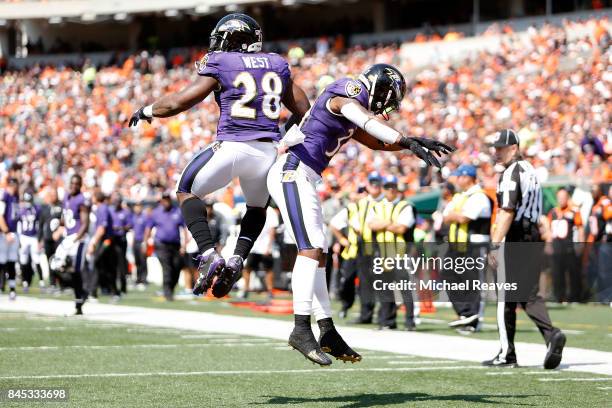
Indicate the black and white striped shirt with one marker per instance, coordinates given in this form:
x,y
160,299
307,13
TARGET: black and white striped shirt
x,y
519,190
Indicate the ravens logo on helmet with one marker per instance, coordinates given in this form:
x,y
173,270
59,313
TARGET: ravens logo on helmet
x,y
236,32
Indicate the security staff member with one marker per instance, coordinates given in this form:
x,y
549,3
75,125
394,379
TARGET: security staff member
x,y
357,250
565,226
468,216
519,197
169,247
393,221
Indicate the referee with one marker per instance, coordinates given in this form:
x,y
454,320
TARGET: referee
x,y
519,198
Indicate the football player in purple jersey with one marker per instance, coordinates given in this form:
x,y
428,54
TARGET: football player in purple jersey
x,y
74,225
346,109
249,87
9,239
29,247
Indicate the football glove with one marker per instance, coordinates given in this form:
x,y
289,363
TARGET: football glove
x,y
137,116
422,148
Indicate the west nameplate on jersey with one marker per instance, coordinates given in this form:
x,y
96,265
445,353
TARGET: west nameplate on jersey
x,y
289,176
352,89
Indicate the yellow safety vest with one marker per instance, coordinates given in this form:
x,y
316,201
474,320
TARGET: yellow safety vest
x,y
389,243
357,213
459,233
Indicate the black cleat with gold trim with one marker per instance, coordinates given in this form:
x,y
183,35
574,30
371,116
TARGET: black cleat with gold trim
x,y
303,340
332,343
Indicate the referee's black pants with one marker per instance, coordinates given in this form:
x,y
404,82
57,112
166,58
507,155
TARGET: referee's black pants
x,y
521,264
169,256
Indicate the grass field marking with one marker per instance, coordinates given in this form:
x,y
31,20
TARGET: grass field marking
x,y
501,373
127,346
238,340
604,388
597,379
233,372
47,328
398,356
210,336
423,362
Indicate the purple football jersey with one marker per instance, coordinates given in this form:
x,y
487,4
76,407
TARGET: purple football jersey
x,y
251,87
167,224
9,204
139,223
72,212
104,219
121,220
325,131
28,219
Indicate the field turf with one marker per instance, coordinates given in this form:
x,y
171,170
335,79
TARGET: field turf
x,y
116,365
586,325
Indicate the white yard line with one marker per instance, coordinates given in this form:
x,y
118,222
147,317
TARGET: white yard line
x,y
416,362
508,372
393,357
321,370
602,379
134,346
427,345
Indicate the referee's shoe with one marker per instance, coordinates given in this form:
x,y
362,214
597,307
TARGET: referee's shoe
x,y
500,361
555,350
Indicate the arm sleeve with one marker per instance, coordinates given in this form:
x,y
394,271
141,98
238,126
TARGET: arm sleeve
x,y
477,206
406,217
371,213
340,220
379,130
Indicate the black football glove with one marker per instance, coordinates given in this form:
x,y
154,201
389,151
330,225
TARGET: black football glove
x,y
422,148
137,116
434,146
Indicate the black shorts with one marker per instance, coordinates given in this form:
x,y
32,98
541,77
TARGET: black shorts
x,y
190,260
259,262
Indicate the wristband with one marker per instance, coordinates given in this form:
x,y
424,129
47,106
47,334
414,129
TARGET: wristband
x,y
148,111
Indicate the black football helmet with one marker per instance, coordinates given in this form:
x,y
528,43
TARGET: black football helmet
x,y
236,32
386,86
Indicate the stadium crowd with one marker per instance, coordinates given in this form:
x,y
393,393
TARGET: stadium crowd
x,y
553,88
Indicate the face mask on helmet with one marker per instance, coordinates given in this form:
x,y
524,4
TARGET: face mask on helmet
x,y
386,86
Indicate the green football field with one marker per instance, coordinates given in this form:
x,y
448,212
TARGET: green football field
x,y
116,365
586,325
